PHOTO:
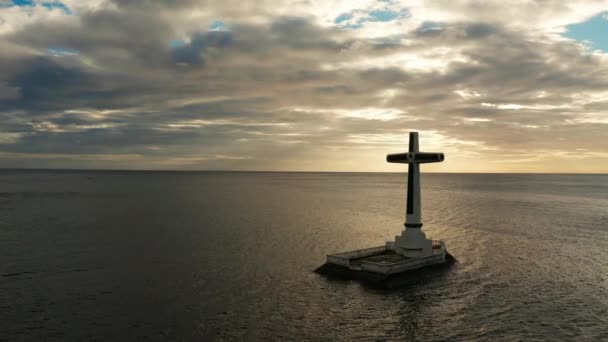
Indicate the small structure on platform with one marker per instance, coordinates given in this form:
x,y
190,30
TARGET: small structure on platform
x,y
411,249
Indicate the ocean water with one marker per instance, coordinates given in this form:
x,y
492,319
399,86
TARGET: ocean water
x,y
214,256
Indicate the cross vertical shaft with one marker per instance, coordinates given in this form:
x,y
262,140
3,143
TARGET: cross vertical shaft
x,y
412,215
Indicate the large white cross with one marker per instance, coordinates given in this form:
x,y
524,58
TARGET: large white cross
x,y
413,240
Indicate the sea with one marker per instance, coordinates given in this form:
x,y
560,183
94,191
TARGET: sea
x,y
230,256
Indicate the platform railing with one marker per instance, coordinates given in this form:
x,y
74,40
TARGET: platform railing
x,y
437,244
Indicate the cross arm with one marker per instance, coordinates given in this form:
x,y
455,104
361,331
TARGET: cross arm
x,y
415,157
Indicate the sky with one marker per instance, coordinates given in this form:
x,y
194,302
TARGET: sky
x,y
304,85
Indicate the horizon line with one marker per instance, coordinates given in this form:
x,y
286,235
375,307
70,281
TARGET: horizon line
x,y
288,171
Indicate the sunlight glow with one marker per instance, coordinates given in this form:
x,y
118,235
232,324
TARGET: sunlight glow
x,y
435,60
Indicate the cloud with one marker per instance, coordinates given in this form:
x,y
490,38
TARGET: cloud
x,y
190,54
162,83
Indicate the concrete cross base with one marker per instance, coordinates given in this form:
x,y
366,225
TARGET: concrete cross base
x,y
385,260
412,243
379,264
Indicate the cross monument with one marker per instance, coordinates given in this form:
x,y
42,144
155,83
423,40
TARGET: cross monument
x,y
412,242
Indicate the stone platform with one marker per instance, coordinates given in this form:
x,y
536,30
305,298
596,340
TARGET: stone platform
x,y
378,265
